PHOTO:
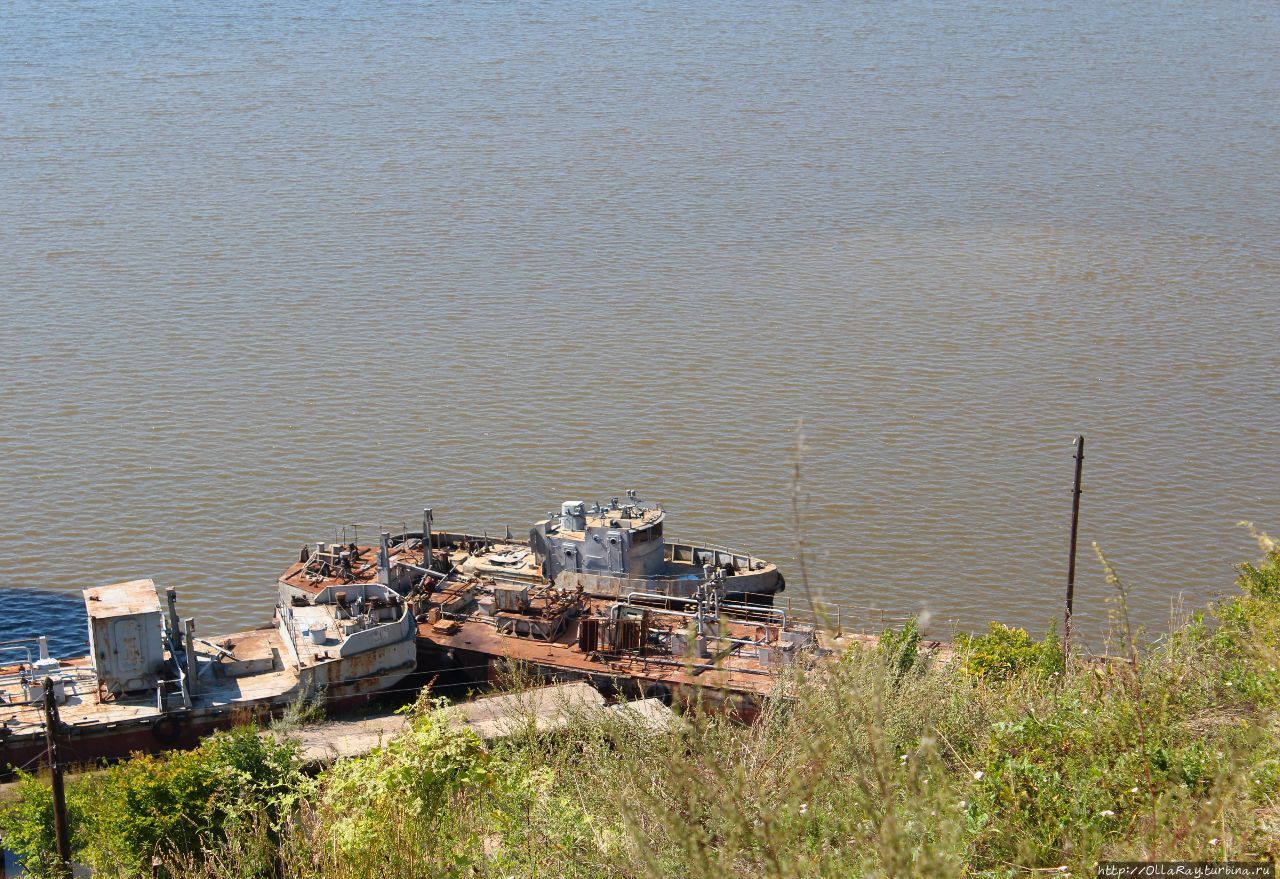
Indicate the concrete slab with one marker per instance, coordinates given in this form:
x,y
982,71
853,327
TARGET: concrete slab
x,y
543,708
652,714
492,717
326,742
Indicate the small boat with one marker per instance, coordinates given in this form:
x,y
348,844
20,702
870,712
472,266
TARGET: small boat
x,y
150,684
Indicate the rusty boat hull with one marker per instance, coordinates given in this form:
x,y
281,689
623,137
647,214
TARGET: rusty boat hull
x,y
457,671
471,637
86,743
148,684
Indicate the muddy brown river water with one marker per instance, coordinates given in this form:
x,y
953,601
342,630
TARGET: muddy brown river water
x,y
267,269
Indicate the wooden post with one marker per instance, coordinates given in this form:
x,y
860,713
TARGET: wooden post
x,y
62,869
1071,559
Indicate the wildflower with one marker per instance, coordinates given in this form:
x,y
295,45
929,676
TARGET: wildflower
x,y
1229,683
804,807
902,757
1213,841
963,804
1133,790
1107,813
978,775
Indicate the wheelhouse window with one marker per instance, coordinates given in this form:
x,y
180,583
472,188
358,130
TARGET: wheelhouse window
x,y
653,532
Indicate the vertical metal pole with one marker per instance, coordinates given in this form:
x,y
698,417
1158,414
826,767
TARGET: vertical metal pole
x,y
384,558
62,839
1071,561
426,538
189,649
171,601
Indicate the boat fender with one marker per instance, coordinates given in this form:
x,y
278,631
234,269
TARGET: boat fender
x,y
661,692
166,728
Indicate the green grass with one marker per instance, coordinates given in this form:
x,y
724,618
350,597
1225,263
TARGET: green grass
x,y
999,762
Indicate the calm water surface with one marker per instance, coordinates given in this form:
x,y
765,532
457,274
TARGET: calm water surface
x,y
267,268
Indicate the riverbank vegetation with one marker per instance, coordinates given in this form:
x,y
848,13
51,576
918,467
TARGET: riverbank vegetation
x,y
1002,762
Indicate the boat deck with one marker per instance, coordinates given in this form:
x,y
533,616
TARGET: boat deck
x,y
734,668
249,679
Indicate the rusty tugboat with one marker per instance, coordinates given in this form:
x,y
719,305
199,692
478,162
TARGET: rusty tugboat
x,y
597,594
149,684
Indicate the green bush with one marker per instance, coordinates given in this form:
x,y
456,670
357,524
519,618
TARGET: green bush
x,y
1005,651
386,814
168,805
900,649
27,824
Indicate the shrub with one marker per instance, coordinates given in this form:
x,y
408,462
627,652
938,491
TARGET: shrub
x,y
27,824
167,805
388,813
1005,651
900,649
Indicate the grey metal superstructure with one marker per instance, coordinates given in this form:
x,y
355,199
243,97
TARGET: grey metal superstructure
x,y
621,539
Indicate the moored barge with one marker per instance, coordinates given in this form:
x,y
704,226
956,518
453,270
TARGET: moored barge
x,y
699,651
149,684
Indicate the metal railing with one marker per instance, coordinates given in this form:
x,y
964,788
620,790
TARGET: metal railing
x,y
20,644
855,618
